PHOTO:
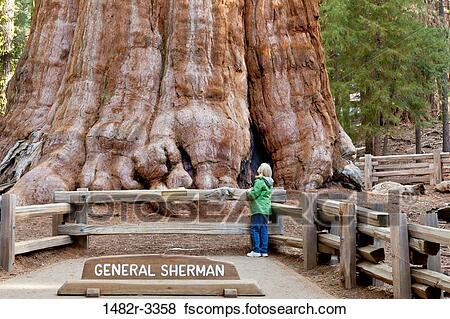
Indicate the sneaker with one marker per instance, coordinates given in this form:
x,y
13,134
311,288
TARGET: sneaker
x,y
253,254
264,255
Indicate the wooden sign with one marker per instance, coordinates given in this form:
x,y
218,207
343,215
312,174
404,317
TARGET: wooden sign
x,y
158,267
164,275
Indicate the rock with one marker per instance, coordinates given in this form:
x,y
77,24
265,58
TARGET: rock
x,y
349,177
443,187
385,187
345,146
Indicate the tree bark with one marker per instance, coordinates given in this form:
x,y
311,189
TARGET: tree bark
x,y
385,145
133,94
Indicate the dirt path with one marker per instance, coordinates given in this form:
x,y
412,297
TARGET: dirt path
x,y
275,279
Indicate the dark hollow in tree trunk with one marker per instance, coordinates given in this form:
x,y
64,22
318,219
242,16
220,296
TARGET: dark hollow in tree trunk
x,y
132,94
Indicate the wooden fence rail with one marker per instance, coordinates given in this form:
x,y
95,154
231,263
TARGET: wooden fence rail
x,y
137,196
161,228
9,248
431,168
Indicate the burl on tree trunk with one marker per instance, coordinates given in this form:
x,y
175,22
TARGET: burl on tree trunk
x,y
169,93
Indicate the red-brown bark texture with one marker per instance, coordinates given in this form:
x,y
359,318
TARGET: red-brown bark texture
x,y
169,93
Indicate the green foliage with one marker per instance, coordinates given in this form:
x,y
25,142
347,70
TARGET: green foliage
x,y
3,20
381,49
22,21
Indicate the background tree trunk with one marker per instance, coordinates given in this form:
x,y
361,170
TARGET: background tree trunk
x,y
6,36
178,93
418,138
444,86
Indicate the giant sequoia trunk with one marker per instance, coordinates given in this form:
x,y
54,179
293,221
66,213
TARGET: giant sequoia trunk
x,y
169,93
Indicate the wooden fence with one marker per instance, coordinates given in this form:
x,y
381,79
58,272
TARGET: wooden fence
x,y
429,168
361,230
70,216
10,213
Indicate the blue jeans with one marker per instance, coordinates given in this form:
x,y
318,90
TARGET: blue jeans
x,y
259,233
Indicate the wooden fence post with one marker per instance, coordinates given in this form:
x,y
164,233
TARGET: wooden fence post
x,y
434,262
361,198
335,227
436,175
401,270
82,212
368,169
8,231
78,215
57,220
380,207
277,220
280,223
347,214
309,230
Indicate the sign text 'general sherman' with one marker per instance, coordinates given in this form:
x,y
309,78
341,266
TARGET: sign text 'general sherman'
x,y
145,270
158,267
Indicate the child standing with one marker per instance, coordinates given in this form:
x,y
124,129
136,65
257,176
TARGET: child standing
x,y
260,208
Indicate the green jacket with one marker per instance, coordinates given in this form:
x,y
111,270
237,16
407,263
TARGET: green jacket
x,y
260,196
